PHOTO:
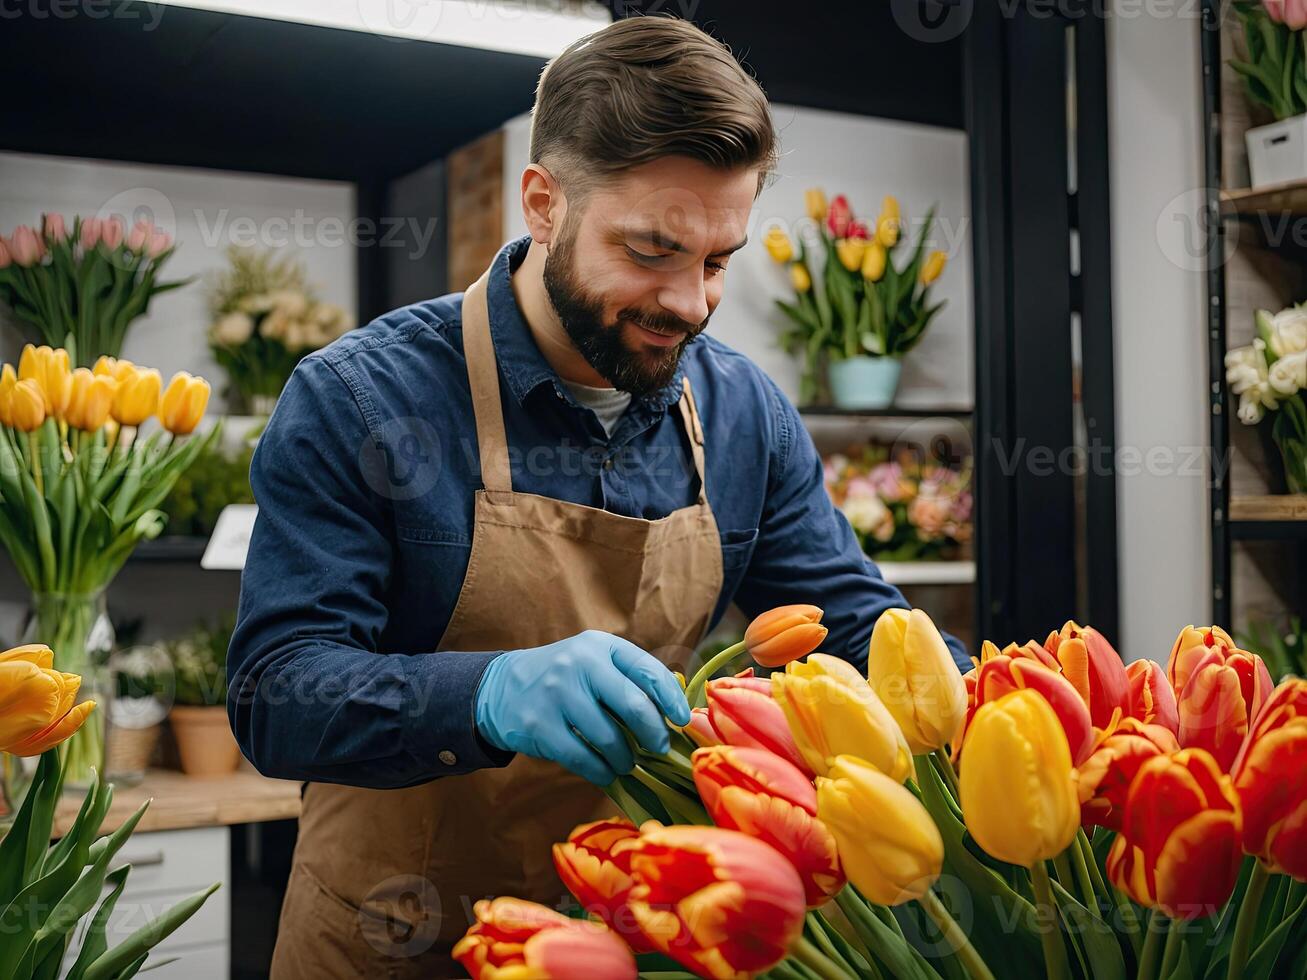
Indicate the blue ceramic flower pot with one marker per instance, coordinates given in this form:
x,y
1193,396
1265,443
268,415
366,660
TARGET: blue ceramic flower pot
x,y
864,382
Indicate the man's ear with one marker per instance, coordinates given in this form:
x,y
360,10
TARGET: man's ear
x,y
543,204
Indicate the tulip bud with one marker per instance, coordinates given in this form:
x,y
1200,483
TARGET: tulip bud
x,y
183,403
595,865
1270,778
53,227
26,247
6,257
26,406
799,277
814,200
1001,675
1017,787
138,238
742,712
92,230
888,842
137,397
909,666
49,368
117,368
932,268
701,730
785,633
7,381
1224,693
39,711
838,216
513,938
777,244
873,262
850,251
1094,668
1152,700
158,243
90,399
887,231
1103,780
111,231
1190,646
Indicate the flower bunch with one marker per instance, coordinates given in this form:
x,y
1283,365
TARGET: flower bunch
x,y
1275,70
265,319
901,510
850,297
79,285
1269,375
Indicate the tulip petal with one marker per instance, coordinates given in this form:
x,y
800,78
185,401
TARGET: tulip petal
x,y
55,734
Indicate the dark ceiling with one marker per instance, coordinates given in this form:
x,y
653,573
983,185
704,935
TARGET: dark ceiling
x,y
241,93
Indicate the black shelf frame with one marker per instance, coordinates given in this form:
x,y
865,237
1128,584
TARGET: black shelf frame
x,y
893,412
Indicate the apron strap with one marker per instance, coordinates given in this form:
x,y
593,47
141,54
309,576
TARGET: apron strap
x,y
483,379
694,429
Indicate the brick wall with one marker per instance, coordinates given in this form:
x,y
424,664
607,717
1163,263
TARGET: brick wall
x,y
475,208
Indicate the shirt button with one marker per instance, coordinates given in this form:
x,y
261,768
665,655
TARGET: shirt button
x,y
447,757
608,463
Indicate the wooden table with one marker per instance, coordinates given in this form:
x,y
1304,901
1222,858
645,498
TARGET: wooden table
x,y
181,801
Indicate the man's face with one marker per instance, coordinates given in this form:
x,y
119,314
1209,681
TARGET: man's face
x,y
637,270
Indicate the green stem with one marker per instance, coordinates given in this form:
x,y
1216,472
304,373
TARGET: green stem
x,y
823,942
1064,876
36,464
813,958
944,766
1055,961
955,937
694,689
1246,924
1148,956
1171,954
1081,870
680,806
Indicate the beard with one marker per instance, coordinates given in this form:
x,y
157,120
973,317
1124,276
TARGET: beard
x,y
640,372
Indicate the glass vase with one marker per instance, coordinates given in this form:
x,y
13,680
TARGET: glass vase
x,y
77,628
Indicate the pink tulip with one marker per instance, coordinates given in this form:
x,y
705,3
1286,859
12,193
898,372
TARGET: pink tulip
x,y
111,231
53,227
139,237
5,258
26,246
1291,13
160,242
92,230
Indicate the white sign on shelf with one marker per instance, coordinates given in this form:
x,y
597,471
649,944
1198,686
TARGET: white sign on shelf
x,y
231,538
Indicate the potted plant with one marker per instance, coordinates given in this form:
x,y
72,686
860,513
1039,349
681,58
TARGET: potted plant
x,y
216,478
81,288
1275,76
136,712
265,318
854,308
1269,375
199,715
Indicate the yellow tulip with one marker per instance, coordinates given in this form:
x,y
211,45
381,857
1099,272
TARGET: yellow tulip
x,y
873,262
850,251
887,225
183,403
1018,790
36,701
909,666
137,397
933,266
814,200
7,381
50,370
799,277
26,406
832,710
889,846
115,367
92,395
777,244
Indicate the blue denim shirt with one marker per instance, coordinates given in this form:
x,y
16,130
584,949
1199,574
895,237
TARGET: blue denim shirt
x,y
365,479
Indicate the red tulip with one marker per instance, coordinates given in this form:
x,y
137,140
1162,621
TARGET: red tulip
x,y
742,712
1094,667
1104,779
1225,690
839,216
760,794
522,939
857,229
595,865
53,227
1270,776
1152,699
1030,650
1179,847
1191,645
783,634
720,903
26,247
1002,674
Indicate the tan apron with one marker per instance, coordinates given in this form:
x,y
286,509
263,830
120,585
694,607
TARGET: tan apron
x,y
383,881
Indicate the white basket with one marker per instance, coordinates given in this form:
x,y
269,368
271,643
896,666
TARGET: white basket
x,y
1277,153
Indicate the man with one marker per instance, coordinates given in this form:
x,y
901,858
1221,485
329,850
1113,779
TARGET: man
x,y
488,521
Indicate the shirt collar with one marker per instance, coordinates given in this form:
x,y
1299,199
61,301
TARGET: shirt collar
x,y
519,359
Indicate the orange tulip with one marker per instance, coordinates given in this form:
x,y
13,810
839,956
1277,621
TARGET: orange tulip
x,y
1094,667
1030,650
517,939
595,865
1225,689
37,710
783,634
1189,646
1152,700
720,903
1270,776
762,795
741,711
1104,778
1002,674
183,403
1179,848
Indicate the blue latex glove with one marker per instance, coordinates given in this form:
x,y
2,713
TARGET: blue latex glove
x,y
554,702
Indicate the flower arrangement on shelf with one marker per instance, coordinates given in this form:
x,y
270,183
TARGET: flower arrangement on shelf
x,y
854,309
1283,645
1275,77
47,889
80,287
1269,375
901,509
80,487
1052,814
265,318
198,694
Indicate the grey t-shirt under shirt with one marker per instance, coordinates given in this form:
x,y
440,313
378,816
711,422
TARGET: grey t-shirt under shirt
x,y
607,403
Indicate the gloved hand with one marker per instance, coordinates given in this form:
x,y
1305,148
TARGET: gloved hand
x,y
553,702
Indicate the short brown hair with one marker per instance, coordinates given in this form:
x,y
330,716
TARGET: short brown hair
x,y
646,88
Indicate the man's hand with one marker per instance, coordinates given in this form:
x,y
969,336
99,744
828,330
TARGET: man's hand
x,y
554,702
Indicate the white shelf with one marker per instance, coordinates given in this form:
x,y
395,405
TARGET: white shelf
x,y
928,572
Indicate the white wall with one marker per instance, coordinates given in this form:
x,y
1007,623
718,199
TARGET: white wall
x,y
205,211
1159,309
865,159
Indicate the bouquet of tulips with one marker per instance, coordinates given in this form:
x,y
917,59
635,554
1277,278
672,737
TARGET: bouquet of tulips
x,y
851,299
80,487
80,288
47,889
1052,813
1275,72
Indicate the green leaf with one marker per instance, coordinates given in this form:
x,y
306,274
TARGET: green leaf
x,y
132,950
1093,939
29,835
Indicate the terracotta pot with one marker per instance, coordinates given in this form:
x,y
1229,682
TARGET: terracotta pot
x,y
204,740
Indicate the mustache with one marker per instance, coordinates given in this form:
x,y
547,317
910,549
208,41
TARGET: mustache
x,y
666,322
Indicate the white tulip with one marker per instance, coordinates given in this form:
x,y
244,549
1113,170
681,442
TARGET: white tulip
x,y
232,330
289,301
1287,332
1288,374
1247,374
